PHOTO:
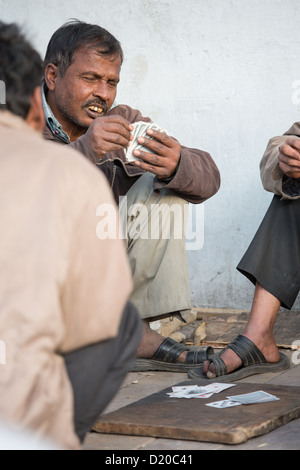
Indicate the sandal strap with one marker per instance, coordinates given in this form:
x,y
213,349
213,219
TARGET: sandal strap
x,y
220,366
247,351
169,351
198,355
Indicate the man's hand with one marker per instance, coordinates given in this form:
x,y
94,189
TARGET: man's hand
x,y
109,133
165,159
289,157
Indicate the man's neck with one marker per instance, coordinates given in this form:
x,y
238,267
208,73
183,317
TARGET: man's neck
x,y
52,123
74,131
59,127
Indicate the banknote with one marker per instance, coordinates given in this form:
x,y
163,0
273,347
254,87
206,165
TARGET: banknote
x,y
140,130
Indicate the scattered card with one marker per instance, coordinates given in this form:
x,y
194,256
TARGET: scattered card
x,y
217,387
196,391
183,388
190,391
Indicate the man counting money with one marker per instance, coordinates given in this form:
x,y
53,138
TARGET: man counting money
x,y
82,71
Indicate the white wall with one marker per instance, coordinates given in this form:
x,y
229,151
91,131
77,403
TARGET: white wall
x,y
218,75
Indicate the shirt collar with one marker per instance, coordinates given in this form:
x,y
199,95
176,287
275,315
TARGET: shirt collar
x,y
53,124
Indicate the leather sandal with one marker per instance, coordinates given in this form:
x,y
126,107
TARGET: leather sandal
x,y
254,362
166,357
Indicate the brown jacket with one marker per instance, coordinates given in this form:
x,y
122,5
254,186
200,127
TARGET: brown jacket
x,y
272,177
57,277
196,179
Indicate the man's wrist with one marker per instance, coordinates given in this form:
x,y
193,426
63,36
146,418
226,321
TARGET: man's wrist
x,y
168,180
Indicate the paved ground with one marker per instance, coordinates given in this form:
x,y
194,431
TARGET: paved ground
x,y
141,384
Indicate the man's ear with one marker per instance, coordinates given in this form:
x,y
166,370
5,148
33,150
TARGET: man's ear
x,y
36,116
50,76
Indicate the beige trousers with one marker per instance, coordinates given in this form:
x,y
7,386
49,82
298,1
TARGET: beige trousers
x,y
154,224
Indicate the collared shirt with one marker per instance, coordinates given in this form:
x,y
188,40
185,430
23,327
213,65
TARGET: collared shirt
x,y
53,124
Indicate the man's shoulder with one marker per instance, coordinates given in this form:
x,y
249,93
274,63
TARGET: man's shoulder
x,y
294,129
65,158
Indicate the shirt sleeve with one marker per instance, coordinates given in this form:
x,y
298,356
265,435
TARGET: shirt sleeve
x,y
273,179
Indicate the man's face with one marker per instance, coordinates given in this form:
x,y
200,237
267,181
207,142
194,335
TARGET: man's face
x,y
86,91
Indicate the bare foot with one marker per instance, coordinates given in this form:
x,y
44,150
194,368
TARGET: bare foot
x,y
266,345
259,330
150,342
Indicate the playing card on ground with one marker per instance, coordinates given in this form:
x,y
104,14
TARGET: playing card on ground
x,y
190,391
189,394
223,404
217,387
196,391
254,397
182,388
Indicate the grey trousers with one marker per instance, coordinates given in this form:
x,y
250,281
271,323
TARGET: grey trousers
x,y
97,371
273,257
154,224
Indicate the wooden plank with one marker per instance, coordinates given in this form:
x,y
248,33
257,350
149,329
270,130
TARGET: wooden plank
x,y
160,416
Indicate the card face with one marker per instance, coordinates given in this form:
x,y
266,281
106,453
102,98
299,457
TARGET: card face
x,y
185,388
196,391
189,391
216,387
140,130
223,404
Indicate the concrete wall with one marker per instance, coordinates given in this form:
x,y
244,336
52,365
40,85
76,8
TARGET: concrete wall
x,y
219,75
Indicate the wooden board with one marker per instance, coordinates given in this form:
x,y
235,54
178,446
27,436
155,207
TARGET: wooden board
x,y
177,418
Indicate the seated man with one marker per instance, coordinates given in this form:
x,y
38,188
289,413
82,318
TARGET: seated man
x,y
68,333
82,71
271,263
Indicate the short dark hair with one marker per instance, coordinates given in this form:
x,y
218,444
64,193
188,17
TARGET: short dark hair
x,y
21,69
75,34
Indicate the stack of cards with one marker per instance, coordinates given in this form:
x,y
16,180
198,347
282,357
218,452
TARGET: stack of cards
x,y
140,130
254,397
245,399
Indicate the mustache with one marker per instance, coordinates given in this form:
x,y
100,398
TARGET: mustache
x,y
100,103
